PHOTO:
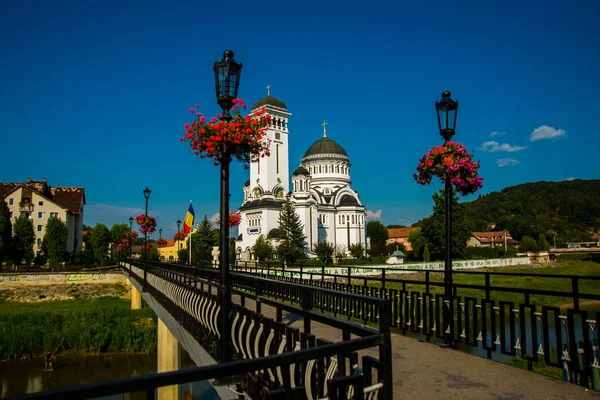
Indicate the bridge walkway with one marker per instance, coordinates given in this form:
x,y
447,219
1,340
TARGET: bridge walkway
x,y
424,370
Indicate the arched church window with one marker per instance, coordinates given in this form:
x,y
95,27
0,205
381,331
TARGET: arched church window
x,y
343,219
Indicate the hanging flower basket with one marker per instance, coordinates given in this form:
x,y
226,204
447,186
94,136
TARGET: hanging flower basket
x,y
147,224
234,219
242,138
450,162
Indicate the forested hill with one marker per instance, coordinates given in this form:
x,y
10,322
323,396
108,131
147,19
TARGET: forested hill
x,y
569,208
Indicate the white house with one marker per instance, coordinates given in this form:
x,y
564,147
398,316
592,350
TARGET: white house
x,y
38,201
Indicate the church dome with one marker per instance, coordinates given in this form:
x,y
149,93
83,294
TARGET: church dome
x,y
325,148
301,171
269,101
348,200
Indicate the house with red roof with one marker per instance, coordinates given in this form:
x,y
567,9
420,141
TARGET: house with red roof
x,y
38,201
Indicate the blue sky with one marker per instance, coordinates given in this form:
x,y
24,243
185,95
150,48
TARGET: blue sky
x,y
95,94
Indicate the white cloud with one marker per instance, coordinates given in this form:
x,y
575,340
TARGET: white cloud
x,y
493,147
374,215
215,218
546,132
571,178
496,133
507,162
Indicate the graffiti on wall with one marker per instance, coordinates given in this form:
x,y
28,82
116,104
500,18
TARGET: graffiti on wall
x,y
59,277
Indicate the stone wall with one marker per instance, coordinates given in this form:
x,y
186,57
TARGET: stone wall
x,y
63,277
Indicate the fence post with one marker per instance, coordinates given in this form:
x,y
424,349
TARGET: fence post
x,y
383,278
385,348
306,309
575,285
427,281
301,271
322,274
349,274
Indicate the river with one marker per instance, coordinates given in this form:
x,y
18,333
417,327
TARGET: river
x,y
29,376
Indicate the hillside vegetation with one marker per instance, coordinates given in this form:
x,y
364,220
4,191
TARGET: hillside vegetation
x,y
569,208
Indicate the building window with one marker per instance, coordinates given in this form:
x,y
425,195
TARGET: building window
x,y
277,155
54,214
40,203
39,228
277,136
353,218
343,219
40,214
38,241
10,214
11,202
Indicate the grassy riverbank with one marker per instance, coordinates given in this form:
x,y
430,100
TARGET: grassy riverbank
x,y
565,266
83,326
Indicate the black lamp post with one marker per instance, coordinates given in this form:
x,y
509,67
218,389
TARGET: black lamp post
x,y
178,225
227,82
159,237
146,196
130,240
447,109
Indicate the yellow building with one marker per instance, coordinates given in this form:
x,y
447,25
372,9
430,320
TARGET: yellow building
x,y
168,252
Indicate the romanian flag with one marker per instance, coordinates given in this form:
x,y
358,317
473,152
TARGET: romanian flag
x,y
189,219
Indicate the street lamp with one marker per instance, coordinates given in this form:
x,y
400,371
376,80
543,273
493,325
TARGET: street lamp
x,y
227,82
146,196
447,109
130,240
178,225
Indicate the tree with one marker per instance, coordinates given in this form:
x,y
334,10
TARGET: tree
x,y
22,240
551,233
55,241
434,227
324,250
542,244
118,232
528,244
340,252
417,243
426,256
263,248
379,235
203,241
292,240
99,239
357,250
182,256
5,231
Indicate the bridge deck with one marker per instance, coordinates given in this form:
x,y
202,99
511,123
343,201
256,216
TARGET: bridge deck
x,y
426,371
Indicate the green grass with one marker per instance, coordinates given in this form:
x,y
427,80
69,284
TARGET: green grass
x,y
566,267
88,326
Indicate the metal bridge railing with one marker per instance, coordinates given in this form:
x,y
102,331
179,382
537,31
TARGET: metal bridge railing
x,y
565,338
273,359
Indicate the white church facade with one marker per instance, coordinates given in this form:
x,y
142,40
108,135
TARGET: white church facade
x,y
329,208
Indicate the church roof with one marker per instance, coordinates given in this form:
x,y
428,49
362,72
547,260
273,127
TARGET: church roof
x,y
301,171
325,148
348,200
274,233
262,203
269,101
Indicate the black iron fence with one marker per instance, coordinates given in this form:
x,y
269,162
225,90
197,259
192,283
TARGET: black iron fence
x,y
275,360
506,314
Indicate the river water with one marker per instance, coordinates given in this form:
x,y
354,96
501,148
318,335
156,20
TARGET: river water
x,y
29,376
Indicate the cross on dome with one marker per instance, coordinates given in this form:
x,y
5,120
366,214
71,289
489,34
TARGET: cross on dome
x,y
268,89
324,125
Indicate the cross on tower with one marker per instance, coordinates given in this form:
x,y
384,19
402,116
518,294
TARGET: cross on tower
x,y
268,89
324,125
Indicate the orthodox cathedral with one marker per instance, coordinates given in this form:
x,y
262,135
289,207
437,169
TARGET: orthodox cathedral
x,y
329,208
